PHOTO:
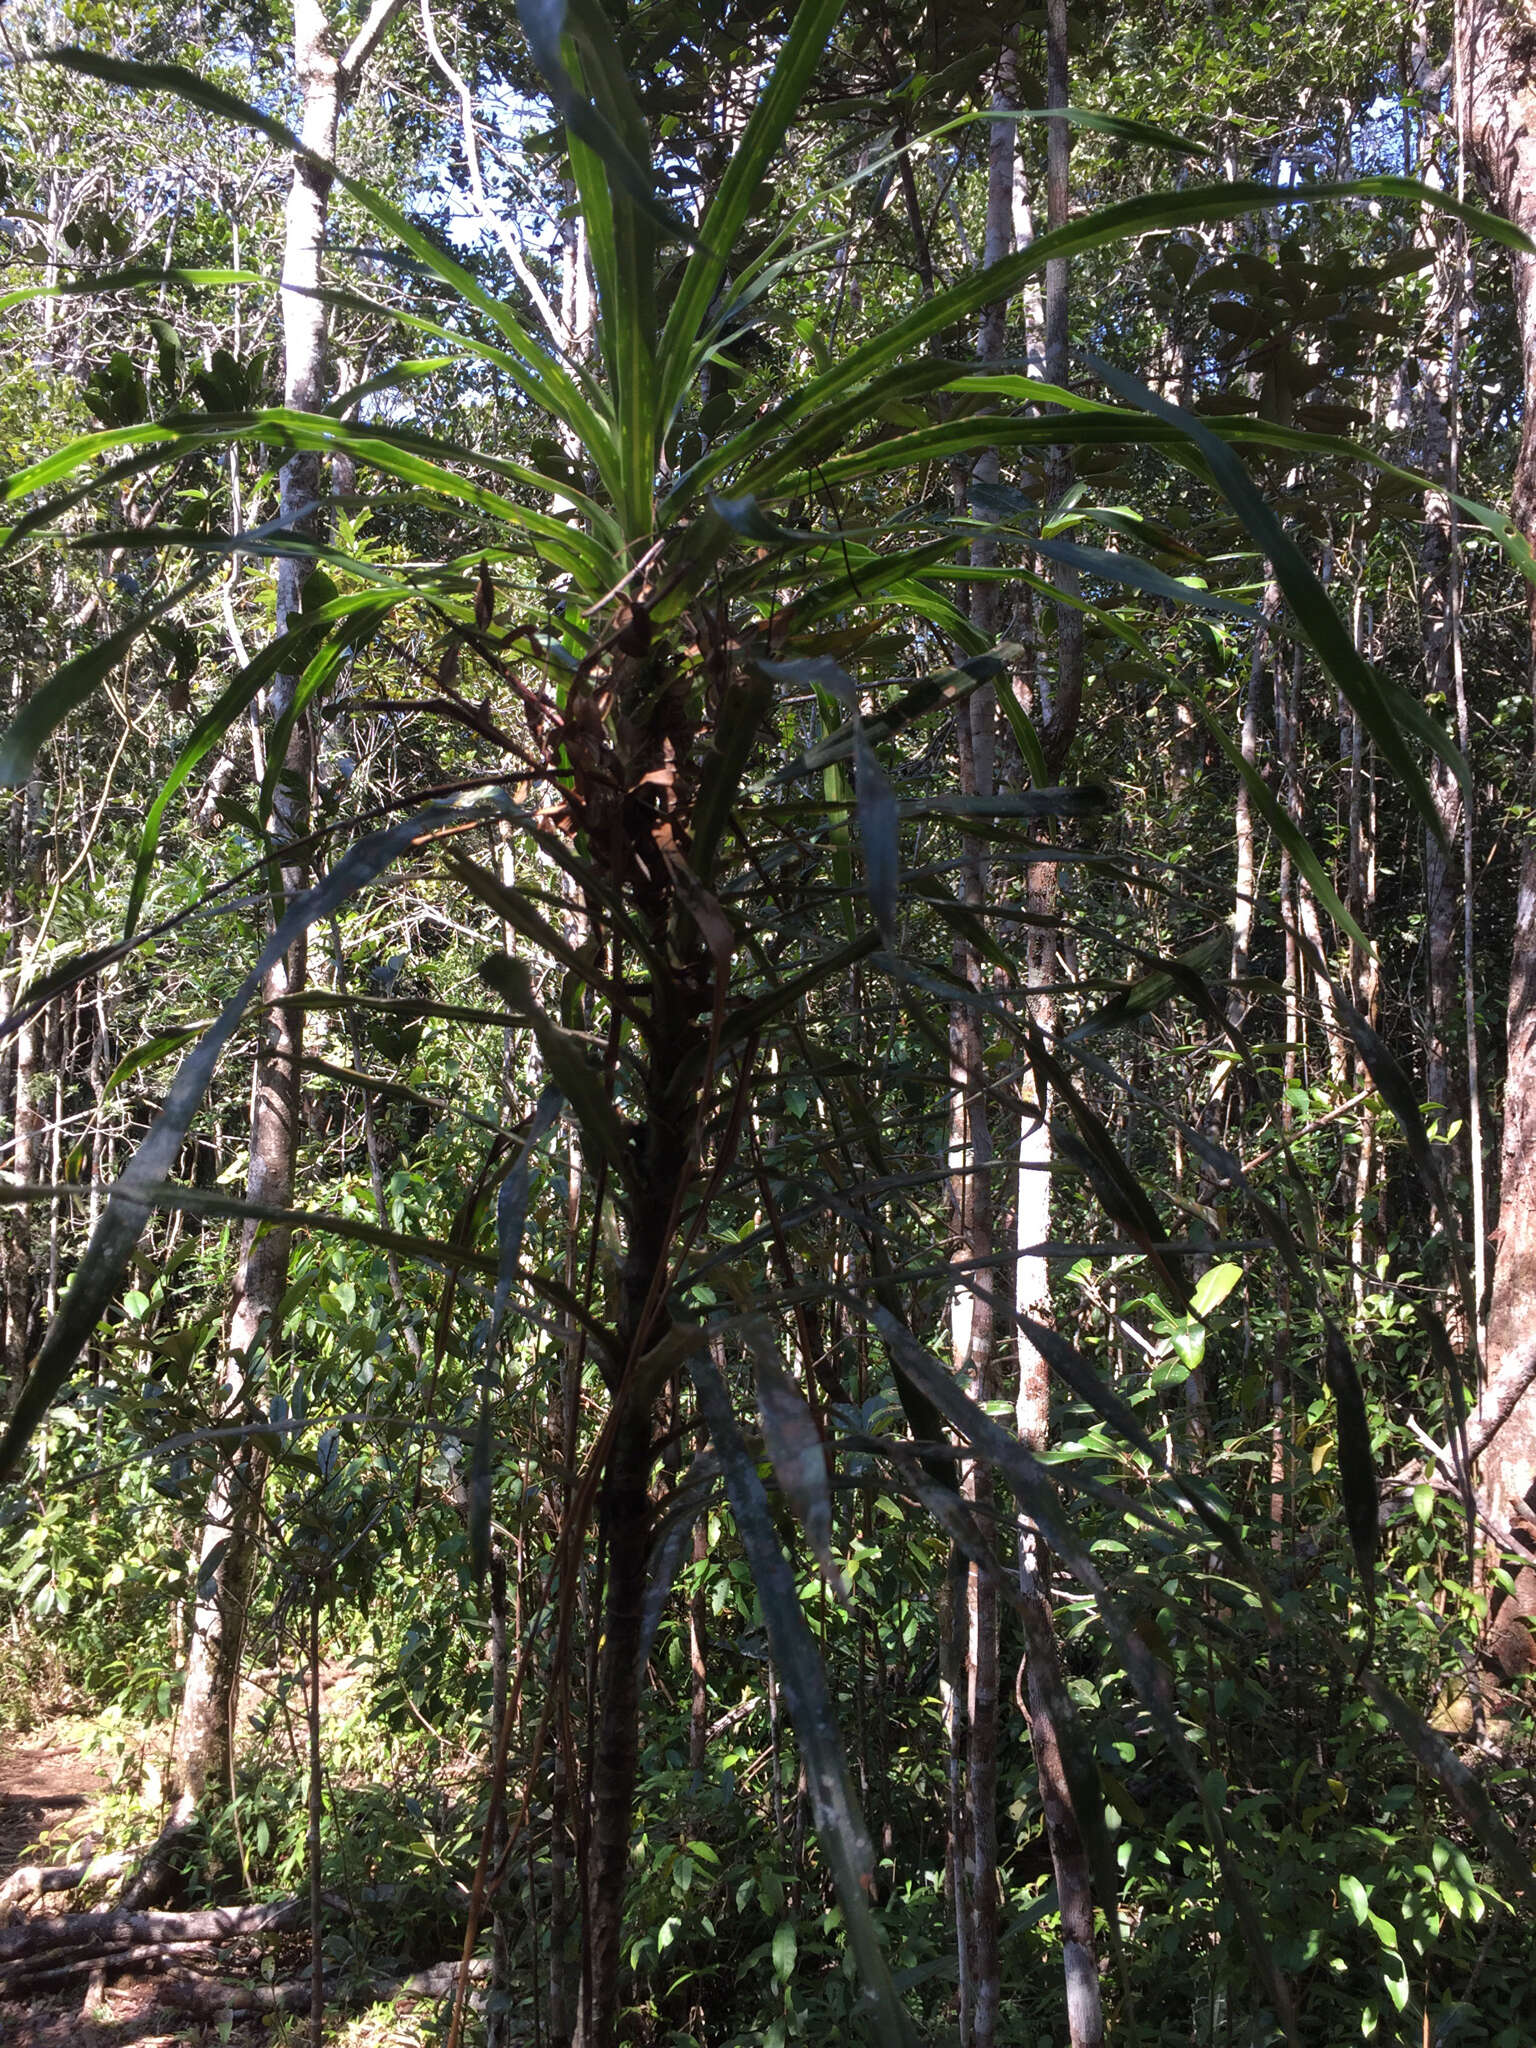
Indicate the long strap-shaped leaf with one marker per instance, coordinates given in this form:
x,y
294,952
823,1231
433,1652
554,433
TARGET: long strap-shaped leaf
x,y
1040,1502
128,1205
71,685
1149,213
132,279
286,652
609,149
547,383
839,1823
511,1216
731,207
1385,709
410,457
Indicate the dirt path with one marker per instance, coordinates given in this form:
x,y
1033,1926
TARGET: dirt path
x,y
45,1783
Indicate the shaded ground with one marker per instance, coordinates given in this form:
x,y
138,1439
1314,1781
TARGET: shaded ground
x,y
47,1788
124,2013
45,1784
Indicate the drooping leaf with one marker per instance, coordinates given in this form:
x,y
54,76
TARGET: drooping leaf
x,y
1149,991
73,685
146,1055
129,1201
733,200
1040,1501
511,1216
1281,823
669,1539
625,157
570,1067
1386,710
1468,1795
541,378
840,1824
795,1446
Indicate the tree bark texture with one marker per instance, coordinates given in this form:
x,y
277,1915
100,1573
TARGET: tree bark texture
x,y
664,1148
202,1755
28,1077
1496,62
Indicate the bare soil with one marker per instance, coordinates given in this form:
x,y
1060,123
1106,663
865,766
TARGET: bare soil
x,y
47,1788
48,1793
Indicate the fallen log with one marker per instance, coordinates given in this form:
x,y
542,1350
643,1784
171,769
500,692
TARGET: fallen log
x,y
48,1972
32,1880
209,1999
101,1933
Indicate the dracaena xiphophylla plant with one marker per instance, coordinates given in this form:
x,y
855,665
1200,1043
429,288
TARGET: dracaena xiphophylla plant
x,y
641,625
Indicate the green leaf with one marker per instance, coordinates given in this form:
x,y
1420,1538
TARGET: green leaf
x,y
1281,823
840,1824
1385,709
1148,992
570,1067
795,1447
1213,1287
625,156
209,730
547,383
146,1055
73,685
1148,213
785,1949
129,1201
1040,1501
731,207
1117,566
98,282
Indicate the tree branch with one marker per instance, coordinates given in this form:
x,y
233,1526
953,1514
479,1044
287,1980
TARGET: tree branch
x,y
366,41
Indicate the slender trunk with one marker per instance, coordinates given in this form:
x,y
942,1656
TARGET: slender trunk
x,y
698,1636
1245,881
227,1558
1441,1081
316,1947
973,1319
21,1158
1067,696
1050,1708
498,2015
1496,91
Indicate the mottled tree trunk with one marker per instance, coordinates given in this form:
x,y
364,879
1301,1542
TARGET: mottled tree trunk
x,y
228,1553
1050,1707
28,1078
1496,61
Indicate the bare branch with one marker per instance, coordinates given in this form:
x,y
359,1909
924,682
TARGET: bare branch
x,y
510,245
366,41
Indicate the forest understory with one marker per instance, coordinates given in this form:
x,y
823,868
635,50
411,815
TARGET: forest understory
x,y
768,1023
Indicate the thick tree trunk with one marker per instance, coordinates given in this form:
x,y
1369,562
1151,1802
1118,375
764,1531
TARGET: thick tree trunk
x,y
665,1149
1496,62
